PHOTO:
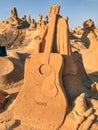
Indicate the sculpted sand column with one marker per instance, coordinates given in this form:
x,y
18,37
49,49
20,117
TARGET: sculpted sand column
x,y
63,43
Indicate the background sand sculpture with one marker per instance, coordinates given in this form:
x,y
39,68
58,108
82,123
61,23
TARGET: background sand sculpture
x,y
6,66
90,38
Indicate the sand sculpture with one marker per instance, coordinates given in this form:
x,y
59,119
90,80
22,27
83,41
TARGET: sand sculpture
x,y
14,13
46,72
46,19
47,101
91,40
57,91
15,21
41,22
4,71
29,19
33,24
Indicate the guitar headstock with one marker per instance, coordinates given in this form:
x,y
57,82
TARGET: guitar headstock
x,y
54,10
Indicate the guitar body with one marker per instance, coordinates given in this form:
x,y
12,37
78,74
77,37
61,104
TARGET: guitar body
x,y
42,102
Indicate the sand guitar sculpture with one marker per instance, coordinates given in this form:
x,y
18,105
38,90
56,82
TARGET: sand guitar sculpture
x,y
42,102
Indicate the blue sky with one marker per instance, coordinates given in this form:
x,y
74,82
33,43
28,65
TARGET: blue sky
x,y
77,10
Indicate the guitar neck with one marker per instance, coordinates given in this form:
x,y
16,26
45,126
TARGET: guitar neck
x,y
54,11
50,35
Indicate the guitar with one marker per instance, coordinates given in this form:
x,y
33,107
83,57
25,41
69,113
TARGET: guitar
x,y
42,102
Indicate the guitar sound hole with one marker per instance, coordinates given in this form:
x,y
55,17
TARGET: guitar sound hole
x,y
44,69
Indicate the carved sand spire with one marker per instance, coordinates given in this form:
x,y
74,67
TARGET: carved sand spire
x,y
46,19
14,13
29,19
